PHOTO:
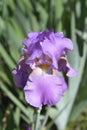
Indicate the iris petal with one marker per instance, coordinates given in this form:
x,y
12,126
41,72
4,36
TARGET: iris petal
x,y
64,66
42,88
20,74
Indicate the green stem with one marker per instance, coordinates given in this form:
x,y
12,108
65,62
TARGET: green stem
x,y
45,119
56,116
37,119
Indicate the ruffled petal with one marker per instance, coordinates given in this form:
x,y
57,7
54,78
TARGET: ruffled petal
x,y
43,89
56,46
31,38
59,34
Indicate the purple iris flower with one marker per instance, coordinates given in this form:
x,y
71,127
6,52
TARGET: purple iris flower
x,y
38,72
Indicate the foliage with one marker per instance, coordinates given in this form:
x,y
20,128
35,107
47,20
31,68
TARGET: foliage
x,y
16,18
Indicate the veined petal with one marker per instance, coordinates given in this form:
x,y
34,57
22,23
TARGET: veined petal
x,y
43,89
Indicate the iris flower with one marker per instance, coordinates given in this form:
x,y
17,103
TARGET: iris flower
x,y
38,71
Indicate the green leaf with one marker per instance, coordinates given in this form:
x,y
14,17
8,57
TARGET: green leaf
x,y
78,63
81,101
78,110
14,36
17,116
23,21
15,100
4,77
14,52
42,12
6,57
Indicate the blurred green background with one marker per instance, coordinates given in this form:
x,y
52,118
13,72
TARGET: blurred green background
x,y
17,17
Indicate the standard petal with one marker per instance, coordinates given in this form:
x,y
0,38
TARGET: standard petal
x,y
56,46
64,44
43,89
59,34
50,50
31,38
